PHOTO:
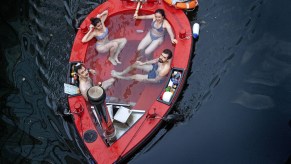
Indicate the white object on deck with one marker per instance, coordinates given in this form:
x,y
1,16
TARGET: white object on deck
x,y
170,84
137,111
71,89
195,29
122,114
167,96
139,31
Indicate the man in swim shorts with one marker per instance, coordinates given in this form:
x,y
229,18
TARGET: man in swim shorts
x,y
85,82
157,69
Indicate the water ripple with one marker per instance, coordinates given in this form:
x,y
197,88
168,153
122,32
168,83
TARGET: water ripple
x,y
254,101
35,130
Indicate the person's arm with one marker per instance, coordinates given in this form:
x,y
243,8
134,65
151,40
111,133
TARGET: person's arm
x,y
84,93
103,15
170,31
148,62
89,35
92,71
136,16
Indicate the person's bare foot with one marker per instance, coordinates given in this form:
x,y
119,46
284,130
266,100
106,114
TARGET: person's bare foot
x,y
117,61
112,61
115,73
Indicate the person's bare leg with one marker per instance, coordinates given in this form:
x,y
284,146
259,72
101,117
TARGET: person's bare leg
x,y
152,47
144,43
107,83
137,77
128,69
111,47
121,43
118,76
140,54
146,67
111,55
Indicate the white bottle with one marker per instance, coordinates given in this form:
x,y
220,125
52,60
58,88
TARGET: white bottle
x,y
167,96
195,29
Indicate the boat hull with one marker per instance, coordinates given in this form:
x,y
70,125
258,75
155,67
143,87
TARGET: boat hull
x,y
148,124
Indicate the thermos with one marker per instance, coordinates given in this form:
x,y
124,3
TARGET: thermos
x,y
195,30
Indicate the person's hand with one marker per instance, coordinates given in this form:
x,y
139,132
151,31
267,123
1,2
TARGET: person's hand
x,y
92,71
135,16
91,27
174,41
98,16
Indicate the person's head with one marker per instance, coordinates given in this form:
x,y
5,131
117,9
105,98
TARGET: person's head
x,y
96,22
165,56
81,70
160,14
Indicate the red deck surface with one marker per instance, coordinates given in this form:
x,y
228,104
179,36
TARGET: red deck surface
x,y
121,24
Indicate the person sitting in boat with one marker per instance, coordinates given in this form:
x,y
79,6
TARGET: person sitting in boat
x,y
85,82
157,69
98,30
156,34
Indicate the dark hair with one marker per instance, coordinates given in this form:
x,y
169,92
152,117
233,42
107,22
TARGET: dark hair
x,y
169,52
95,21
161,11
78,66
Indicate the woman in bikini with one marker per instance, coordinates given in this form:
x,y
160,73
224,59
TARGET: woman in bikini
x,y
103,44
156,34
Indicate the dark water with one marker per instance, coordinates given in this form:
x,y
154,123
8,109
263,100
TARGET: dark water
x,y
237,101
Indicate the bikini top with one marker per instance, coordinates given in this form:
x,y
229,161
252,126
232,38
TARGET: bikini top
x,y
160,29
102,36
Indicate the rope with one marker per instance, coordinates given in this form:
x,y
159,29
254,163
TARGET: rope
x,y
133,136
149,116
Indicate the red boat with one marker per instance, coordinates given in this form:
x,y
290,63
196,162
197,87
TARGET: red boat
x,y
151,104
